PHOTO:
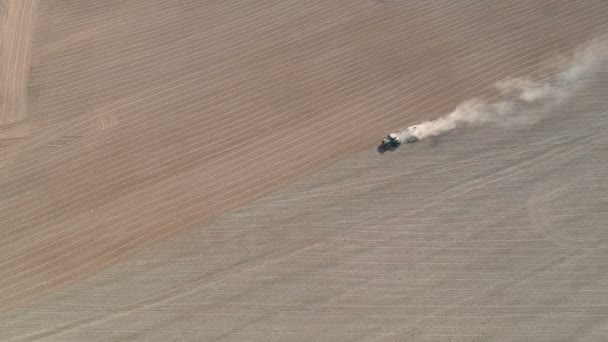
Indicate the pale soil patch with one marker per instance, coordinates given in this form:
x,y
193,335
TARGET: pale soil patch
x,y
16,29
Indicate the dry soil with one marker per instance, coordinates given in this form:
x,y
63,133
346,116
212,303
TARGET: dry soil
x,y
206,170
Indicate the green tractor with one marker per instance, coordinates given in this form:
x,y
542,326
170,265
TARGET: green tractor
x,y
391,142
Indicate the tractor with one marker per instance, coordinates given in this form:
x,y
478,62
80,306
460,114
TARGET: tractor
x,y
391,142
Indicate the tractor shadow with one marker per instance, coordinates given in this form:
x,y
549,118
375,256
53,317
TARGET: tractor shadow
x,y
382,149
434,141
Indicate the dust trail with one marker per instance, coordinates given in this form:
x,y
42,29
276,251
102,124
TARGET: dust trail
x,y
522,101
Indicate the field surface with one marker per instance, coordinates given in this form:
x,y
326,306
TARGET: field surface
x,y
207,171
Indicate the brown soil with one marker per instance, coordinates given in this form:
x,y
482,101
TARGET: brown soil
x,y
145,118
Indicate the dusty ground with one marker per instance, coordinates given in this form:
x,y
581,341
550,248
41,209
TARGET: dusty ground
x,y
147,120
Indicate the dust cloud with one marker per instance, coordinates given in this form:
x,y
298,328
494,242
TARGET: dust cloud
x,y
521,101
